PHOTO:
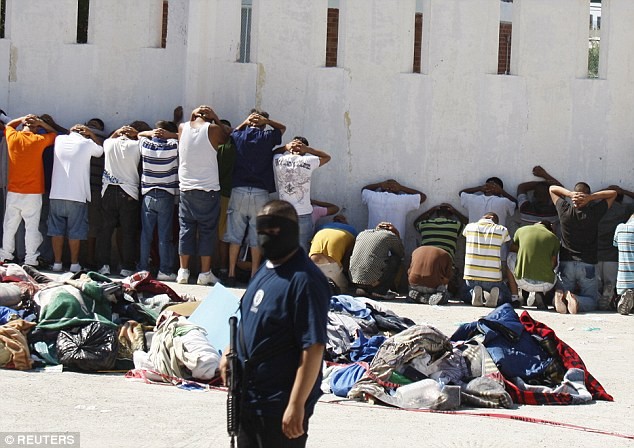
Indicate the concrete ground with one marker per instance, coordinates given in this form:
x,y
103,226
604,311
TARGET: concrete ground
x,y
111,411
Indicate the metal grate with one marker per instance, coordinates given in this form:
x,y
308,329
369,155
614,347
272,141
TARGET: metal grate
x,y
83,9
245,33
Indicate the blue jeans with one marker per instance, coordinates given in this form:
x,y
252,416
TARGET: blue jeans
x,y
305,231
198,213
467,291
573,274
157,209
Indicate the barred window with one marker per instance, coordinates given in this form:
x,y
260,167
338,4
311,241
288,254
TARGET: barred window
x,y
245,31
83,9
3,17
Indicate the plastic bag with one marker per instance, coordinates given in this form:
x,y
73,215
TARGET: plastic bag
x,y
89,348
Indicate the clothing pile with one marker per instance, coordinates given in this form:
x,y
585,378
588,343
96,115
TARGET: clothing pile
x,y
88,322
497,361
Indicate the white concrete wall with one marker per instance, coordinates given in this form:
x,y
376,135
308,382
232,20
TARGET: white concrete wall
x,y
440,131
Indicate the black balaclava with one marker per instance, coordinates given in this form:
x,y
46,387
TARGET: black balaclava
x,y
276,247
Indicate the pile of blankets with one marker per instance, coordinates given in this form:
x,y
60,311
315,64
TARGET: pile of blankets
x,y
500,360
87,322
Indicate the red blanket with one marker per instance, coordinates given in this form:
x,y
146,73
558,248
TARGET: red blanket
x,y
569,358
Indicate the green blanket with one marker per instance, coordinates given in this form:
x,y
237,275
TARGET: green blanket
x,y
66,306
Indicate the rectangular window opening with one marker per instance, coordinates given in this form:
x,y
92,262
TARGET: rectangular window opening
x,y
245,31
594,40
3,17
164,24
418,42
504,48
332,37
83,8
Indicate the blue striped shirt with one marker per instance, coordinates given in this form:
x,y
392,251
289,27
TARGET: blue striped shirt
x,y
624,240
159,164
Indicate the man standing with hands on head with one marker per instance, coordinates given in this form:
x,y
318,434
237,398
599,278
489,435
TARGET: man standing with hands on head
x,y
294,167
25,184
199,184
70,192
252,183
282,334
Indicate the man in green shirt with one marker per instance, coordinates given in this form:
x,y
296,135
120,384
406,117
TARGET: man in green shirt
x,y
534,262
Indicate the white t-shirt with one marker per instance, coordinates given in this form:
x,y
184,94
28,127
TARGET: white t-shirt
x,y
121,165
479,204
389,207
71,167
198,160
293,174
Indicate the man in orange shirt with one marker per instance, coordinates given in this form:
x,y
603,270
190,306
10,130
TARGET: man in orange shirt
x,y
25,184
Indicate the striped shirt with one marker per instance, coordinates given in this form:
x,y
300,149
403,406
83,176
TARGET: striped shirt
x,y
159,164
624,240
439,232
483,248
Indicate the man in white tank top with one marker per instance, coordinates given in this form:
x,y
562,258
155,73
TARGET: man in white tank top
x,y
199,191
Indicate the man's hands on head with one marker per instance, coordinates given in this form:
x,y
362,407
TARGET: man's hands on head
x,y
256,119
492,189
296,147
206,113
579,199
388,226
84,131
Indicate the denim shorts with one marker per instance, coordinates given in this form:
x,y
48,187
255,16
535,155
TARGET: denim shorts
x,y
68,218
198,212
244,205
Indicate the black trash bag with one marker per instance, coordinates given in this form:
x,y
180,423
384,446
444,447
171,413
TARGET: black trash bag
x,y
89,348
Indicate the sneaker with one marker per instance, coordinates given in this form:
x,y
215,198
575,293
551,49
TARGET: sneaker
x,y
183,276
476,296
530,300
539,301
105,270
57,267
230,282
161,277
207,278
126,272
439,298
626,302
75,267
573,303
560,302
603,304
417,297
223,274
492,300
516,301
38,263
